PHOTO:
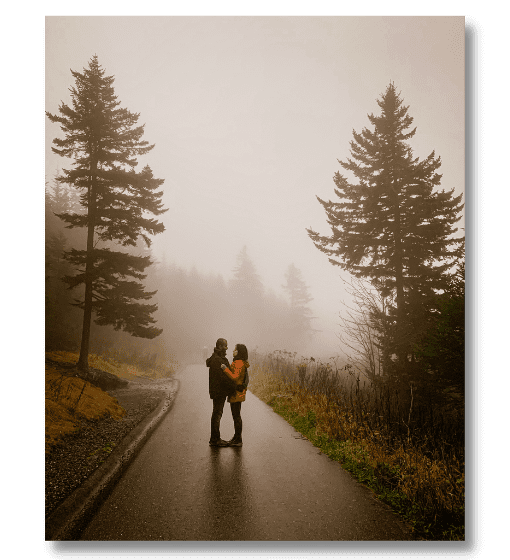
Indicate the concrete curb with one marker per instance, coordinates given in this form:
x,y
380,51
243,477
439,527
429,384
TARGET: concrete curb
x,y
71,517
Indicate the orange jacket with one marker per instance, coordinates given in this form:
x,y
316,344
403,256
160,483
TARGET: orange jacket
x,y
237,373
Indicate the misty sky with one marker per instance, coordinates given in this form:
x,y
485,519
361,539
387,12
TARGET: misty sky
x,y
249,116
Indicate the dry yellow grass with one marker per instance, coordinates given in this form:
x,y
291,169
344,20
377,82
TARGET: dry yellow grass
x,y
124,371
70,399
94,361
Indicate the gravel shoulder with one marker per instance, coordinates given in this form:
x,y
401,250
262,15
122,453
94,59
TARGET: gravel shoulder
x,y
69,465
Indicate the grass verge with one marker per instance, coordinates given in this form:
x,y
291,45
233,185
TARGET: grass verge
x,y
420,489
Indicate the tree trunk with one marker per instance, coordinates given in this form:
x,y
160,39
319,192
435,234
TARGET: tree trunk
x,y
401,350
83,362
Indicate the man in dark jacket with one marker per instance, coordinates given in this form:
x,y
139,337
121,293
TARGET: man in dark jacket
x,y
220,387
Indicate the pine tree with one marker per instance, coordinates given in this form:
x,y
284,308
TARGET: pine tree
x,y
392,225
104,141
299,297
246,310
441,350
59,198
245,287
62,198
62,322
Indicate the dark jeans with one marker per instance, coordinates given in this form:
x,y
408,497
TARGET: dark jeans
x,y
217,413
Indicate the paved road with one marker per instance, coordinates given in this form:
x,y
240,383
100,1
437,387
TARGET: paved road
x,y
277,487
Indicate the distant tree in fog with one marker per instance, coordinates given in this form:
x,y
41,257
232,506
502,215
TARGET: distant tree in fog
x,y
200,307
299,297
246,286
104,141
392,226
62,322
246,299
61,326
62,198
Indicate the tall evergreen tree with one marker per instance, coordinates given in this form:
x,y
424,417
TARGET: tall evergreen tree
x,y
104,141
62,322
246,316
62,198
59,198
441,350
391,225
299,297
245,286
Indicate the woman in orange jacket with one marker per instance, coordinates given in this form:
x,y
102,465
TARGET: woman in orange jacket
x,y
238,372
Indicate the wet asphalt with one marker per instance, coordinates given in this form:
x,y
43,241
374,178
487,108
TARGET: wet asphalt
x,y
277,487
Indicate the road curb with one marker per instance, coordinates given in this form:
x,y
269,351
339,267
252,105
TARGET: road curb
x,y
70,518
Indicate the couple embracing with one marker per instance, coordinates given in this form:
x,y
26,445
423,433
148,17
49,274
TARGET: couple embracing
x,y
227,381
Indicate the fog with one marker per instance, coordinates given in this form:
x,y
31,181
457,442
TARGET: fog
x,y
249,116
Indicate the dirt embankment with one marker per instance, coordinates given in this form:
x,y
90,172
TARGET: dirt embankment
x,y
84,423
73,396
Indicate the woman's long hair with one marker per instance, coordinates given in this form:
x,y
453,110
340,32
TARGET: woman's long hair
x,y
242,352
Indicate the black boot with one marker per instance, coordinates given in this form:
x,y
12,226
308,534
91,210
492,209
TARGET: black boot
x,y
237,440
219,443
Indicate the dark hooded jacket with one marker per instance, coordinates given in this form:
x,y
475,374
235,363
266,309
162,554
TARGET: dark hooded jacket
x,y
220,385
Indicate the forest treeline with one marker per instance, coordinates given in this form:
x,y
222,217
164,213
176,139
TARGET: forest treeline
x,y
193,308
